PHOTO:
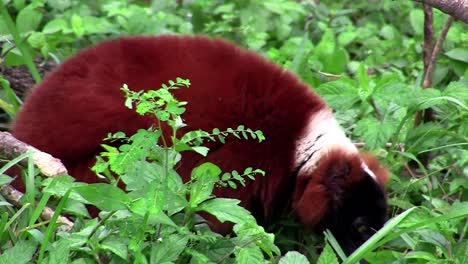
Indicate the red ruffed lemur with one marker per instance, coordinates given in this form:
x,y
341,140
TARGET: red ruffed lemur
x,y
311,166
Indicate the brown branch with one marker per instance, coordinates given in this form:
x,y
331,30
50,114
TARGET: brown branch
x,y
428,47
428,35
435,52
12,148
456,8
14,197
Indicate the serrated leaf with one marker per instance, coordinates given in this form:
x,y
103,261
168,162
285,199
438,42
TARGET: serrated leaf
x,y
168,249
59,252
116,245
460,54
374,132
204,177
77,25
225,209
106,197
20,253
55,25
28,19
293,257
340,94
327,256
248,255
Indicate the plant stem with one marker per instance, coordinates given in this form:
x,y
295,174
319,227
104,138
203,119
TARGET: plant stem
x,y
20,43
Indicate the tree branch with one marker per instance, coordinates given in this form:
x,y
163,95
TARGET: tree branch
x,y
12,148
427,82
456,8
14,197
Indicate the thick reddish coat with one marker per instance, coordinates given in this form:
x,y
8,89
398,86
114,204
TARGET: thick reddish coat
x,y
75,107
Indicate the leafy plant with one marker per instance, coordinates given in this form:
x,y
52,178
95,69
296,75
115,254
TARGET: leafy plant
x,y
364,60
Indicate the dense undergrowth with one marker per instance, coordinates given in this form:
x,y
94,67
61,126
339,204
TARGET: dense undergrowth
x,y
364,59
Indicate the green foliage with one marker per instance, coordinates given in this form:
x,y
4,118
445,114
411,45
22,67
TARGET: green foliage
x,y
157,220
363,59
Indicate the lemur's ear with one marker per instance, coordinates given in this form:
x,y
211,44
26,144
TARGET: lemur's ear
x,y
380,172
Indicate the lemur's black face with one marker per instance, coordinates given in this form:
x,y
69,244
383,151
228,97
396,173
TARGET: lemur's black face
x,y
360,213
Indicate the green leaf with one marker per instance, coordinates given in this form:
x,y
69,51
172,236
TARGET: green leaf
x,y
248,255
340,94
460,54
294,257
28,19
347,37
327,256
168,249
104,196
201,150
364,82
417,21
374,132
59,252
204,177
55,25
5,179
37,40
77,25
225,209
20,253
116,245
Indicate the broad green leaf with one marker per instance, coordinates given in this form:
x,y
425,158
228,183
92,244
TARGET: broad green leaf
x,y
460,54
225,209
374,132
426,257
104,196
327,256
294,257
168,249
4,179
77,25
340,94
417,21
248,255
117,245
55,25
21,252
59,252
204,177
28,19
364,83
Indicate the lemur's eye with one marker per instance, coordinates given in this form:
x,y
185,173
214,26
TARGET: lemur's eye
x,y
360,225
362,229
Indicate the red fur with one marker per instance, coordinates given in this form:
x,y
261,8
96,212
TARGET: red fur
x,y
323,189
75,107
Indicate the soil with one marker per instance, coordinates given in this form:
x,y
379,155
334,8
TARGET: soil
x,y
21,80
